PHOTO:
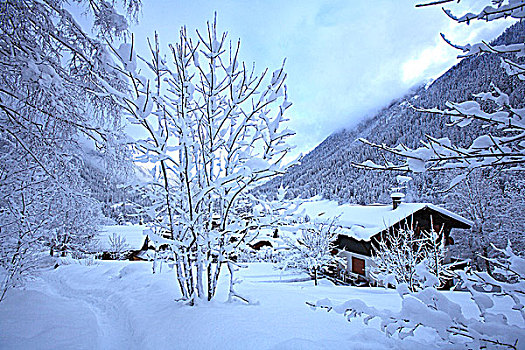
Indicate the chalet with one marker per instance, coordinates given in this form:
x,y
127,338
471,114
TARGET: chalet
x,y
124,242
362,225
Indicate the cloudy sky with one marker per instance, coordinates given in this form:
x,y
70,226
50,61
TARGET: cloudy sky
x,y
345,58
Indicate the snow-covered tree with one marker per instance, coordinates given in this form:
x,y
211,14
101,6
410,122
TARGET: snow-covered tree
x,y
50,115
213,130
401,254
312,249
494,203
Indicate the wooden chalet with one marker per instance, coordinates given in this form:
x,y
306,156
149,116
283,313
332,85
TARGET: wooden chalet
x,y
362,226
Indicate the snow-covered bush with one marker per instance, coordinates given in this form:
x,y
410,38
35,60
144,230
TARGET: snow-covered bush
x,y
213,130
88,260
265,254
402,255
312,249
432,310
117,246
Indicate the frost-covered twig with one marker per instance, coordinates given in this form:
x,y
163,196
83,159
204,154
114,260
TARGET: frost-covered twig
x,y
502,148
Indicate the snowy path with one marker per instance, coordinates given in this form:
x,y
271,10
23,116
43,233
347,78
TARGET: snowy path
x,y
122,305
113,322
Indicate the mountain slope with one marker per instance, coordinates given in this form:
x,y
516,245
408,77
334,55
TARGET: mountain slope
x,y
327,170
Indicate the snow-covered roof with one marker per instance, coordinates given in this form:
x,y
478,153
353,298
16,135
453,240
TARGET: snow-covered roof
x,y
133,235
364,221
266,234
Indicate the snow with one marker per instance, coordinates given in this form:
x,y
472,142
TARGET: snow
x,y
51,322
364,221
122,305
429,83
133,234
416,165
482,142
403,179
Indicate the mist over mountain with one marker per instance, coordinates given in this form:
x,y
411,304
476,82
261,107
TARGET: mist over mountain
x,y
327,170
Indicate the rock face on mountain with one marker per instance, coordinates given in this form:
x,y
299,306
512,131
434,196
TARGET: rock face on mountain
x,y
327,170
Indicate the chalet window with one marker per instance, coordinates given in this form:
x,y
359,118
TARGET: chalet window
x,y
358,266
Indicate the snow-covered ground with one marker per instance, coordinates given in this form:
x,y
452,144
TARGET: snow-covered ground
x,y
122,305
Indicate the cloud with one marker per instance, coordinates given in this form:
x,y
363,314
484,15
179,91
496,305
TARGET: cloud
x,y
416,68
344,58
434,60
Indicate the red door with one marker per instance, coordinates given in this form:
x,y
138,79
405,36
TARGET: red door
x,y
358,266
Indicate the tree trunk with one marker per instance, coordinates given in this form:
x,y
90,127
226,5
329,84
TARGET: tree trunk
x,y
181,276
215,278
188,268
487,264
154,267
209,274
200,268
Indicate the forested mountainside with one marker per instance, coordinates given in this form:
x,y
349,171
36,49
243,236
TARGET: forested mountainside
x,y
327,170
